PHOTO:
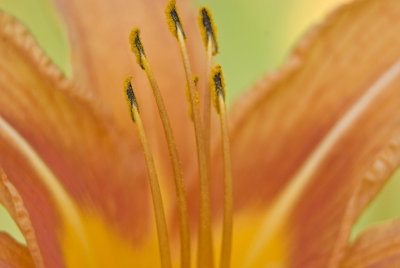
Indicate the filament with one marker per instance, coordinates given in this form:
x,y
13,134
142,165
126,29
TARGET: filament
x,y
228,189
207,101
205,254
161,224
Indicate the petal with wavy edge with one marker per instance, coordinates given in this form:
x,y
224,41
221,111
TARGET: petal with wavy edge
x,y
99,170
328,125
13,254
378,246
101,59
13,202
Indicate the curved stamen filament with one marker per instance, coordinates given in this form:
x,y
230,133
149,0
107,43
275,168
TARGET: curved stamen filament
x,y
205,255
180,188
161,224
65,205
138,49
217,84
228,189
207,101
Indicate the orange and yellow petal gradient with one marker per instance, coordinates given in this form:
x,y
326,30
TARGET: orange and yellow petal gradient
x,y
327,131
73,138
327,139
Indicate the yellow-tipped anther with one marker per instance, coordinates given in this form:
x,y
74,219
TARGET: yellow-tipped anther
x,y
136,46
196,97
130,96
173,19
217,85
208,29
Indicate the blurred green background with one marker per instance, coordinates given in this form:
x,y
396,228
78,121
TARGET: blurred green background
x,y
272,26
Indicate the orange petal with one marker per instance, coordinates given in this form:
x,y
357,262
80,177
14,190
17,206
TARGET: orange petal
x,y
101,59
13,254
378,246
98,168
329,122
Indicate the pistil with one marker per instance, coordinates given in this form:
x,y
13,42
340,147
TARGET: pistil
x,y
218,89
161,224
205,250
138,49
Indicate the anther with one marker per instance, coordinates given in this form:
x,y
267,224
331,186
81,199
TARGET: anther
x,y
217,84
130,96
208,29
136,46
173,19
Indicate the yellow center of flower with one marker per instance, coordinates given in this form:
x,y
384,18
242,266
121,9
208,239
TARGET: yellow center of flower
x,y
107,247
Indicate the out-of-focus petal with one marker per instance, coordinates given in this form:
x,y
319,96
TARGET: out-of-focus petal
x,y
378,246
13,254
97,168
329,121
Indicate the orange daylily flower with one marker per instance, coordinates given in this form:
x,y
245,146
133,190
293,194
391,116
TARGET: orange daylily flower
x,y
311,144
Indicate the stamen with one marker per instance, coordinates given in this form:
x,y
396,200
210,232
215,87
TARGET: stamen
x,y
209,34
153,179
173,19
65,204
137,48
218,85
208,29
205,251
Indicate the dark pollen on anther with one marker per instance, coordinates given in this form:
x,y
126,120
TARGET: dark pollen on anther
x,y
218,85
140,49
132,99
175,18
209,28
